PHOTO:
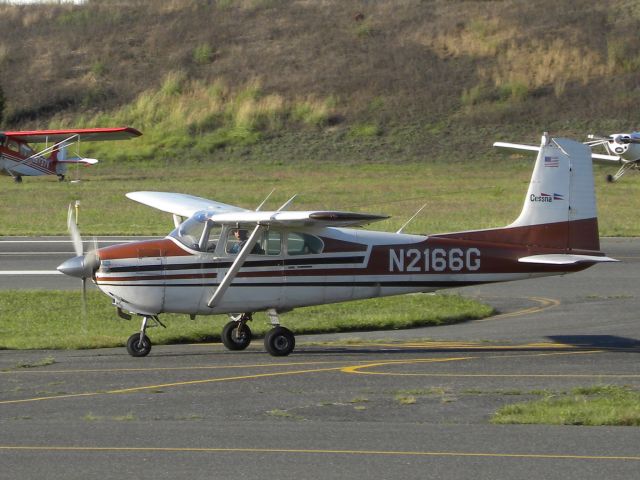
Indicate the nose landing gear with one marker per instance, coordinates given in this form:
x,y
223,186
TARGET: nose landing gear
x,y
139,344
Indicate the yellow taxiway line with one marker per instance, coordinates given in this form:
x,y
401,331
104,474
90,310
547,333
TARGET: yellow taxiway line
x,y
349,369
540,456
543,304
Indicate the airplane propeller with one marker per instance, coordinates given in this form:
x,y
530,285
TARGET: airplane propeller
x,y
82,266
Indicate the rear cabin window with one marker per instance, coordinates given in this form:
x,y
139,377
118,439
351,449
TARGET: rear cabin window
x,y
303,244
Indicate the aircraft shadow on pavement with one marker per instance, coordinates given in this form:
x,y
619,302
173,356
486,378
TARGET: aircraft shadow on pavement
x,y
597,341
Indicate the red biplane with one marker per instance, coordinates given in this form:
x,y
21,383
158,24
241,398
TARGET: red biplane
x,y
18,158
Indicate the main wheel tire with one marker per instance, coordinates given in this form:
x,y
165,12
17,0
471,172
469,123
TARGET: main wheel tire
x,y
17,179
137,348
279,341
235,338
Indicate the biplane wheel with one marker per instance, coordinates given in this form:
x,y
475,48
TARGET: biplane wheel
x,y
17,179
235,338
137,348
61,178
610,178
279,342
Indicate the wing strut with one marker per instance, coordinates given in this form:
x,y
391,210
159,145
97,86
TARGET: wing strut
x,y
235,266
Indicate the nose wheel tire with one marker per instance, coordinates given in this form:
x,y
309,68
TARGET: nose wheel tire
x,y
137,348
279,342
236,336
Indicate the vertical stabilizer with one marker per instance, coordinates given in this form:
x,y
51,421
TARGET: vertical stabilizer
x,y
561,196
559,210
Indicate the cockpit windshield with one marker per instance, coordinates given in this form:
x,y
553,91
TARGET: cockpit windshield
x,y
198,233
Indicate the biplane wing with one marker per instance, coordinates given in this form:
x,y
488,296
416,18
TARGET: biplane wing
x,y
186,205
81,134
532,148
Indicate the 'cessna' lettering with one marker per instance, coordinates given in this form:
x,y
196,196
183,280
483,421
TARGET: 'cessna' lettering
x,y
543,197
434,260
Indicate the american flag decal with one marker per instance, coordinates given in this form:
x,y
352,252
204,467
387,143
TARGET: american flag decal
x,y
551,161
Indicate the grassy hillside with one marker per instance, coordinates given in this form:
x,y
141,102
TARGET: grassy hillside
x,y
318,92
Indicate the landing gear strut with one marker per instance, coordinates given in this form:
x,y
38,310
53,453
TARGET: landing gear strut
x,y
139,344
236,335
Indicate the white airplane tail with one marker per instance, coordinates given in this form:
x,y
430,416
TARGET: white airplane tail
x,y
560,205
559,211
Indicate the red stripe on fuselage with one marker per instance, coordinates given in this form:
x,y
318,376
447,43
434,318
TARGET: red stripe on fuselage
x,y
147,248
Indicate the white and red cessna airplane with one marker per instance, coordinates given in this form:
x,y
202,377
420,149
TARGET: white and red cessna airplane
x,y
18,158
226,259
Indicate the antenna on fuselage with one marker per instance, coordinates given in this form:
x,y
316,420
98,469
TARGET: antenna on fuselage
x,y
409,221
265,200
287,203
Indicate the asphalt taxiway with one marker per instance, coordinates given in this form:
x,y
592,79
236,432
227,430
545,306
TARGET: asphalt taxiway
x,y
404,404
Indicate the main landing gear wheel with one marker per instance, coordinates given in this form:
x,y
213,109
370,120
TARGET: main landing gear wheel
x,y
236,335
137,348
279,341
17,179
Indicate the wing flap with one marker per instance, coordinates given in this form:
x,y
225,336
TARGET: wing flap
x,y
564,259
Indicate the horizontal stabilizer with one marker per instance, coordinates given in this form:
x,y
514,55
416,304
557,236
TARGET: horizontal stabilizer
x,y
86,161
564,259
533,148
181,203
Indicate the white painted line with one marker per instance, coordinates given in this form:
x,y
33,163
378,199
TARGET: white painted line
x,y
30,272
37,253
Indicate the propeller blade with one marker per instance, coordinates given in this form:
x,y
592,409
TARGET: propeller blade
x,y
76,239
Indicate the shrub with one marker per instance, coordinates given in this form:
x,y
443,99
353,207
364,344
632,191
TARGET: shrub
x,y
203,54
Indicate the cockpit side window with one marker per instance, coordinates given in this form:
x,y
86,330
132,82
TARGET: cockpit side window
x,y
268,243
26,150
198,233
303,244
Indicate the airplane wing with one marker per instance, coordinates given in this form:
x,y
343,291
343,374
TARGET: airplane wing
x,y
600,158
564,259
181,203
186,205
83,134
300,219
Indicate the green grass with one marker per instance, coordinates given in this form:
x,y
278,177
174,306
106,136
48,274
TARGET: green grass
x,y
477,194
54,320
597,405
